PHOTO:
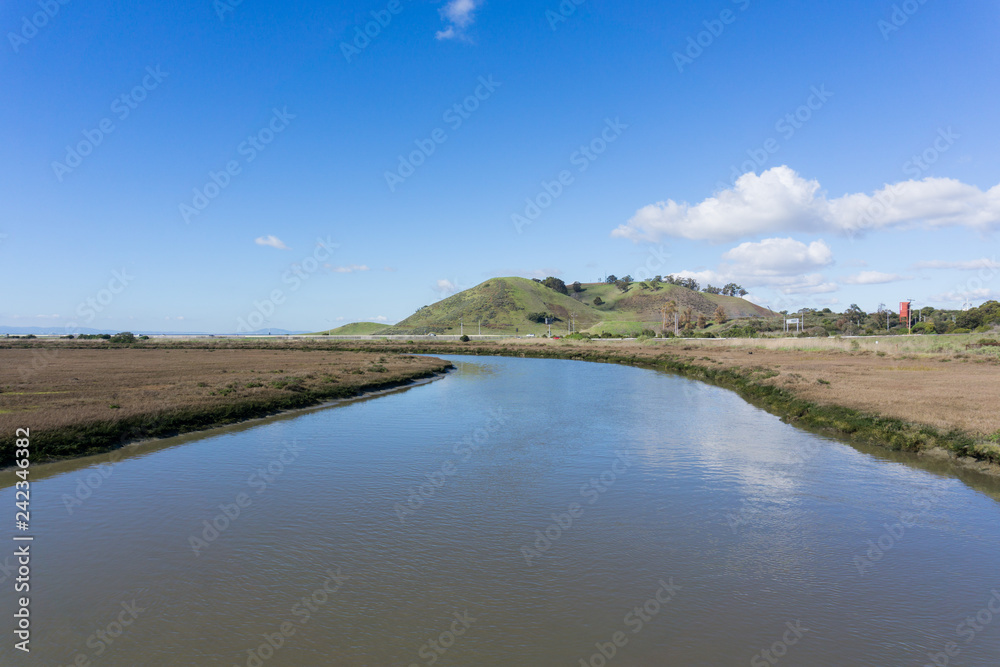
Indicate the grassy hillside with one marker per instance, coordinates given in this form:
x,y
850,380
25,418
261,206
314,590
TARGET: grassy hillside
x,y
645,303
504,304
358,329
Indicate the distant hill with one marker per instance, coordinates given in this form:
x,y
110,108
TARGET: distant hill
x,y
358,329
504,305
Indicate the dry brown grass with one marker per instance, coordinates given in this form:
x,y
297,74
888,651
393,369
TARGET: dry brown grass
x,y
937,391
949,390
59,385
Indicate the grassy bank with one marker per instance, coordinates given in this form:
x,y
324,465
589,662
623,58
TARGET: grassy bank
x,y
920,398
85,399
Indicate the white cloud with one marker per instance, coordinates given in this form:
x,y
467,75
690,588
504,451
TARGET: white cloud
x,y
777,257
786,265
980,294
874,278
970,265
353,268
460,14
381,318
271,241
446,287
780,200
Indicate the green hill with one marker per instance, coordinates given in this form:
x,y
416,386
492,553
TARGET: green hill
x,y
358,329
504,305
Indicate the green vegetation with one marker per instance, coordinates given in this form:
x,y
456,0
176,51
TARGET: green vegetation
x,y
521,306
357,329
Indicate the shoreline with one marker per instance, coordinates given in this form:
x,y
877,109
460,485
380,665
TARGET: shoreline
x,y
81,434
148,445
963,450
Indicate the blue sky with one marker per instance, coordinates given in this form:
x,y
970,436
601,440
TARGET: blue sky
x,y
193,167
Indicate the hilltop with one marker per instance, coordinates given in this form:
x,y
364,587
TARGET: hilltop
x,y
519,305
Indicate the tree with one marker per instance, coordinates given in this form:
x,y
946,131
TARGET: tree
x,y
712,290
732,289
555,284
702,321
686,316
576,287
622,285
598,301
855,314
612,279
720,315
123,338
669,308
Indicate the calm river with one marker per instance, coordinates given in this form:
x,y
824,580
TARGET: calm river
x,y
517,512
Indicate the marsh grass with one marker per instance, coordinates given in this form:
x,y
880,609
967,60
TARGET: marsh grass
x,y
86,399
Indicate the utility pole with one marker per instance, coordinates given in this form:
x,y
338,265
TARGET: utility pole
x,y
462,325
480,327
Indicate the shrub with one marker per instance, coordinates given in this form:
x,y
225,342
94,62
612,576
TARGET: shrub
x,y
123,338
598,301
464,338
648,333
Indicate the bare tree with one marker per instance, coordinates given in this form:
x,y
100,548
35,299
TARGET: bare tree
x,y
720,315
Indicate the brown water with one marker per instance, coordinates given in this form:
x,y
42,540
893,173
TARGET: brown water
x,y
676,525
